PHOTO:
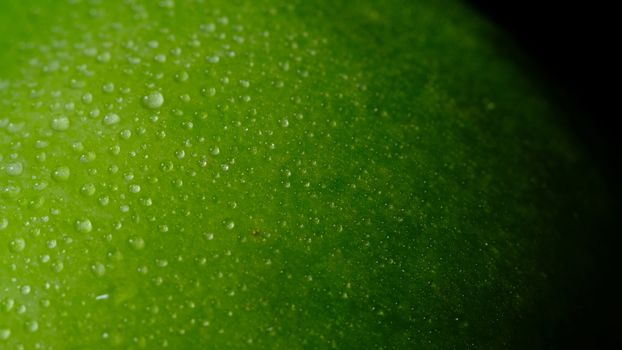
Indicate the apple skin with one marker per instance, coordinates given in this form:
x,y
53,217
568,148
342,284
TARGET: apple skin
x,y
280,175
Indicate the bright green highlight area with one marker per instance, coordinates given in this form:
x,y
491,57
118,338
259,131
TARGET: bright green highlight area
x,y
278,175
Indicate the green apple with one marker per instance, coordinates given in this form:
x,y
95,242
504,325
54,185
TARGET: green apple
x,y
207,174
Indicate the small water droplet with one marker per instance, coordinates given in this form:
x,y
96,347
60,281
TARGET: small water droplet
x,y
166,166
88,189
61,173
153,100
137,243
87,98
17,245
182,76
213,59
60,124
229,224
5,333
32,326
98,269
83,225
14,169
108,87
25,290
111,118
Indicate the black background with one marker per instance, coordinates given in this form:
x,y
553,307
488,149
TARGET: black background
x,y
572,45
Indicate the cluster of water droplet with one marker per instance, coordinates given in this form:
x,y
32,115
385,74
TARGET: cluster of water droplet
x,y
155,156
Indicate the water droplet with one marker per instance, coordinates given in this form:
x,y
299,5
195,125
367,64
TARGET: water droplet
x,y
32,326
60,124
98,269
58,266
284,122
137,243
7,304
14,169
3,223
88,189
87,98
5,333
108,87
83,226
166,166
182,76
25,290
134,188
153,100
61,173
125,134
111,118
213,59
17,245
229,224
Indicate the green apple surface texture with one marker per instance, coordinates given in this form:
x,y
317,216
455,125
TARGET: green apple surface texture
x,y
278,175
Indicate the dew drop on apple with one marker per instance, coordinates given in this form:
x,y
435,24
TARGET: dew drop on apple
x,y
125,134
83,225
5,333
166,166
14,169
17,245
32,326
98,269
87,98
25,290
4,223
229,224
60,124
153,100
7,304
111,119
182,76
61,173
137,243
108,87
58,266
88,189
213,59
